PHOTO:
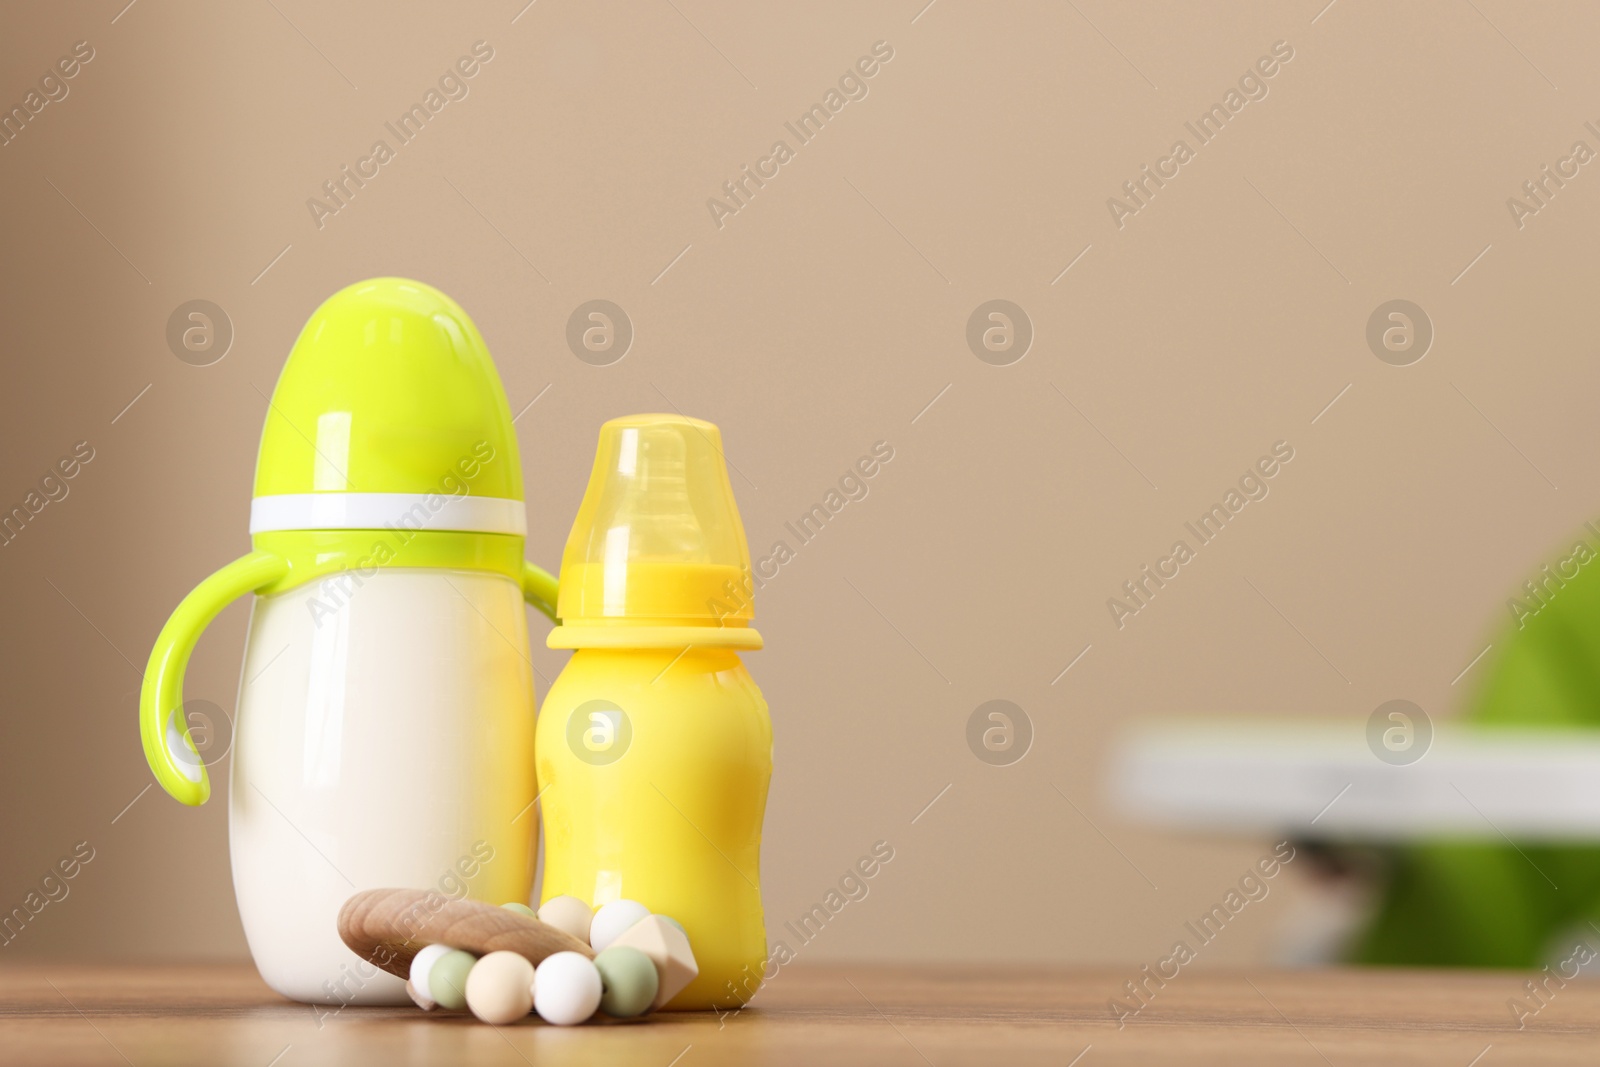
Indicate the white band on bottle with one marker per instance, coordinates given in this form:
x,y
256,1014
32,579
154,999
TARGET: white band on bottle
x,y
382,511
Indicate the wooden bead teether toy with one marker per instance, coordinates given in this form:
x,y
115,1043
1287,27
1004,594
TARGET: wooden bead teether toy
x,y
387,927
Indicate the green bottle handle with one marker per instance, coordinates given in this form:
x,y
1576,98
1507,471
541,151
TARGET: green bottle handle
x,y
162,728
539,589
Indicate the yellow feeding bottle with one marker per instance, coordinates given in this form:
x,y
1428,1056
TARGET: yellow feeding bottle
x,y
384,734
654,744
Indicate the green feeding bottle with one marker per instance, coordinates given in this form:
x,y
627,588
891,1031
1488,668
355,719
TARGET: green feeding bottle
x,y
385,726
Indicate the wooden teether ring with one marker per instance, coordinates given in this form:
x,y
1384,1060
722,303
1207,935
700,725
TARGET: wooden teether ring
x,y
387,927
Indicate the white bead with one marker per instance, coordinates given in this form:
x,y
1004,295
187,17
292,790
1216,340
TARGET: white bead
x,y
566,989
612,919
567,914
421,964
500,988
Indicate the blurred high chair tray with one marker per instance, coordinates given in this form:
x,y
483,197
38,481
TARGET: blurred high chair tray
x,y
1341,781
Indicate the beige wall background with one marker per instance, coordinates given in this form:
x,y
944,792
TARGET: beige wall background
x,y
830,313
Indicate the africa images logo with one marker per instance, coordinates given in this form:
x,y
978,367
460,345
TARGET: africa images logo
x,y
852,85
1252,86
452,85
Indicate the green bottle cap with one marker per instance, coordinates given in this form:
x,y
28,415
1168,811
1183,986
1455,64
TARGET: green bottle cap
x,y
389,412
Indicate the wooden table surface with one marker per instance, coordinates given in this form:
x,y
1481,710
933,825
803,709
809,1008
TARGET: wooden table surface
x,y
824,1015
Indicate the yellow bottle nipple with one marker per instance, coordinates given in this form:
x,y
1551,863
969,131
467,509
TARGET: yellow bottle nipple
x,y
657,545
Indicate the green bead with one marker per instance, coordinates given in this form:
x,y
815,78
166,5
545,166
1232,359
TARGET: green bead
x,y
628,981
447,980
521,909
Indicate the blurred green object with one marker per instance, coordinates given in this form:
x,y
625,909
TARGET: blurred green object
x,y
1485,905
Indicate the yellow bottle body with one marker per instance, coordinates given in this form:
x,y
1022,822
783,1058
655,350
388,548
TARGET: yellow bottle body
x,y
653,769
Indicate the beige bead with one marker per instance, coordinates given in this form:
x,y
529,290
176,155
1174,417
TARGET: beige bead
x,y
500,988
668,948
569,915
